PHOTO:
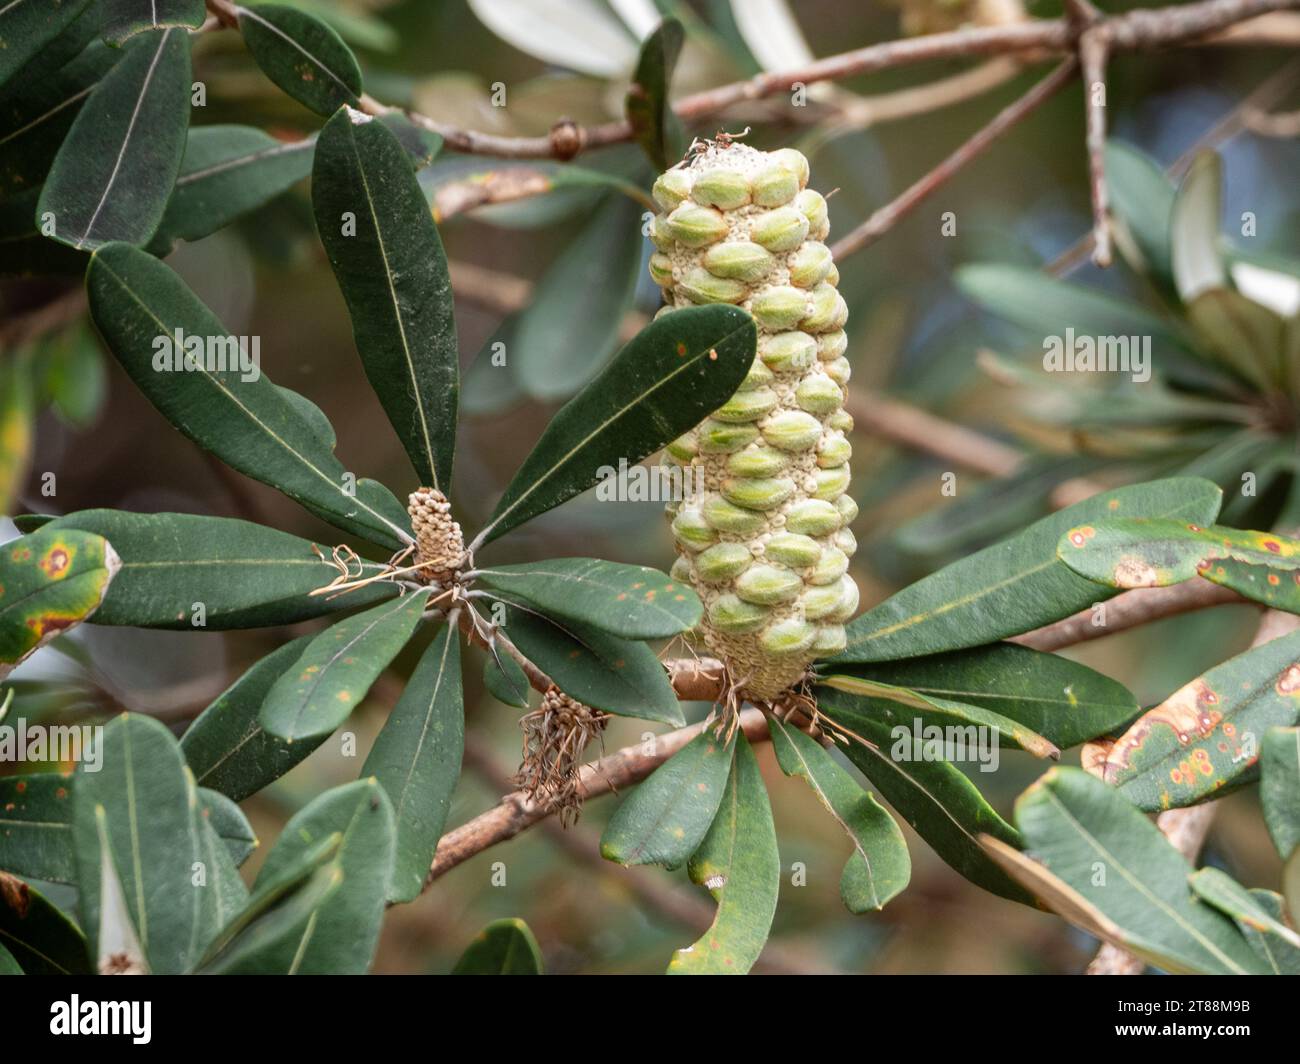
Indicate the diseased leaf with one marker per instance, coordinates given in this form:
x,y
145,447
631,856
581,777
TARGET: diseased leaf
x,y
228,749
17,428
416,759
664,820
50,581
302,55
36,827
37,935
240,416
935,797
1279,788
598,669
654,124
332,676
504,947
880,866
1064,701
389,263
631,601
126,18
1016,585
243,575
739,865
1106,868
674,373
114,173
1207,734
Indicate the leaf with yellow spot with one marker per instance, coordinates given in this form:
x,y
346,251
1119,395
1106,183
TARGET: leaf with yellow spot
x,y
17,424
739,864
50,581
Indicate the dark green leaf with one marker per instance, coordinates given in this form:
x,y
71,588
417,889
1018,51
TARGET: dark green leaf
x,y
24,252
739,865
934,796
1105,867
1016,585
666,818
39,937
228,171
243,575
655,126
27,26
572,323
1279,788
36,827
631,601
135,300
1064,701
880,866
144,802
302,55
504,947
50,580
598,669
672,375
506,680
125,18
336,670
228,823
389,263
340,935
114,173
416,759
226,746
1206,734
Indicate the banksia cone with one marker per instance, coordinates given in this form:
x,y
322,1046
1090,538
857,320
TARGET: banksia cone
x,y
439,545
766,542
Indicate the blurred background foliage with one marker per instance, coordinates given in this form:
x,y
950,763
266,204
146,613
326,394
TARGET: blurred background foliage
x,y
914,334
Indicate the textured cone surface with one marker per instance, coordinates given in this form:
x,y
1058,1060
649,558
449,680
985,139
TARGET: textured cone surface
x,y
765,542
439,545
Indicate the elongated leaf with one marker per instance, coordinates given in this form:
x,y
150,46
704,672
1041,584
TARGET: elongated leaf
x,y
880,866
135,301
341,933
1064,701
114,173
1156,553
656,128
675,372
1250,339
899,706
571,325
935,797
228,749
1217,888
389,263
1194,233
1279,957
598,669
24,252
666,818
506,680
1143,198
50,581
1016,585
1119,868
1279,789
126,18
302,55
17,429
336,670
226,172
39,937
739,865
144,802
1208,733
416,759
36,115
504,947
27,26
242,575
631,601
36,827
1273,585
118,947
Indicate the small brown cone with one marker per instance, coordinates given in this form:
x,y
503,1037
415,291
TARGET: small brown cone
x,y
439,545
